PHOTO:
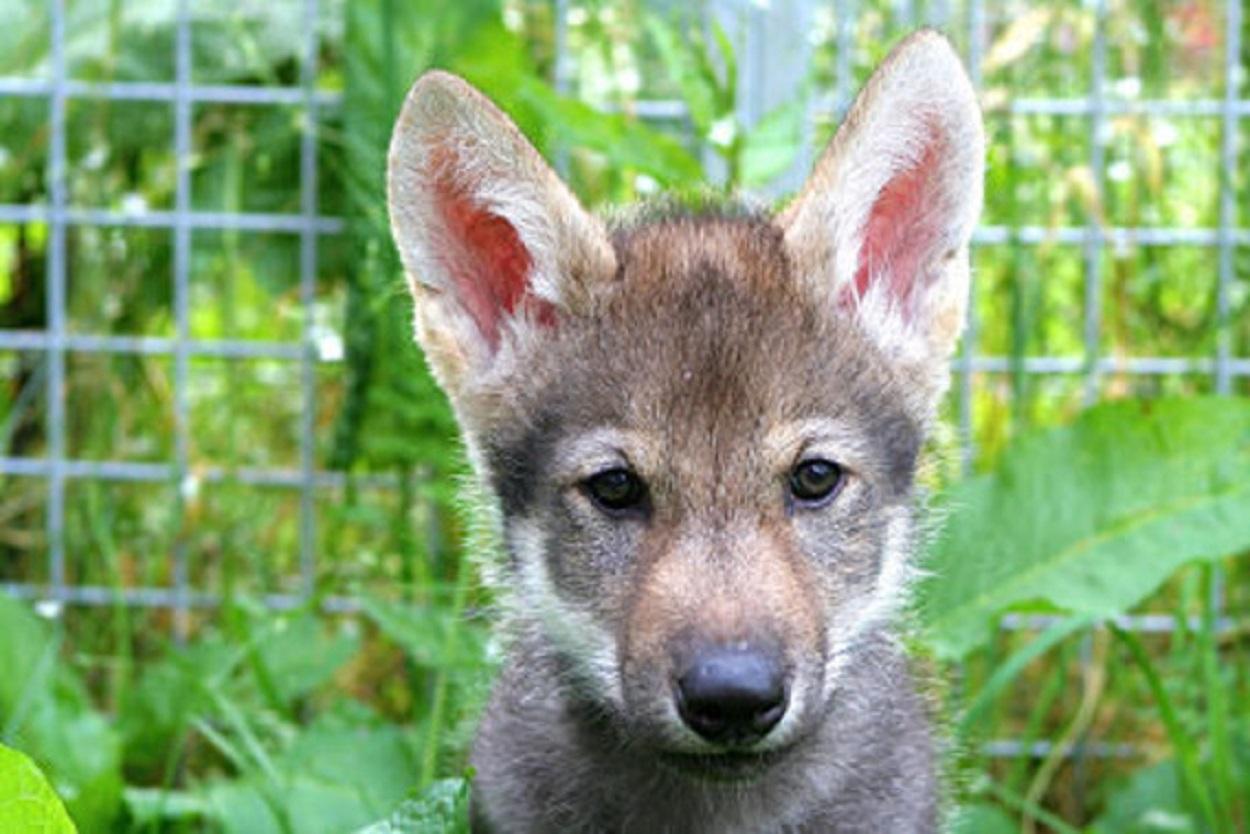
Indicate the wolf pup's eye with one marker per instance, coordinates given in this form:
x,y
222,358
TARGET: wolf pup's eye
x,y
616,490
815,482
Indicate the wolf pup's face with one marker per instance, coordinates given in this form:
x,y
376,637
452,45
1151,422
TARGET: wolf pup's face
x,y
701,430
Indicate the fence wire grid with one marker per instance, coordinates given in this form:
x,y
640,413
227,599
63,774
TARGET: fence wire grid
x,y
763,41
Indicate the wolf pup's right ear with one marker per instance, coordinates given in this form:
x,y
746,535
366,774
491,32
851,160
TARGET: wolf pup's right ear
x,y
881,229
496,248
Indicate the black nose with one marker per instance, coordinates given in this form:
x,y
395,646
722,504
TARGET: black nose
x,y
732,695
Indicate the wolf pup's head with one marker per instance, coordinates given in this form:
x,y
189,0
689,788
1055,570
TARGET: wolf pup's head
x,y
701,430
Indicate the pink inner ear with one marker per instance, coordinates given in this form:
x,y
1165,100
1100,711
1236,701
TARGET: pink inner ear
x,y
488,263
903,229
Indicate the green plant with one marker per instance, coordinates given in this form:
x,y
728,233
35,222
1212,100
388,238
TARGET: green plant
x,y
442,809
1093,517
47,714
27,801
705,70
1086,521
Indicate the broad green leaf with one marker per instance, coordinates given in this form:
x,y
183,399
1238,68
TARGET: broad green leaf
x,y
27,801
443,808
1091,518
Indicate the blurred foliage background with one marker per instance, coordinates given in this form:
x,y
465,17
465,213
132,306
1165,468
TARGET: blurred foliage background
x,y
324,716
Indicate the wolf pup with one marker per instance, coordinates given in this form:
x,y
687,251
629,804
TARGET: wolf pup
x,y
700,432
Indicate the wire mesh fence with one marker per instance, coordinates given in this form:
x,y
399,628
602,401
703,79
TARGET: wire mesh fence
x,y
55,343
762,32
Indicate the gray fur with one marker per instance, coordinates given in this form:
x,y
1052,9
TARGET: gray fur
x,y
546,764
702,362
709,353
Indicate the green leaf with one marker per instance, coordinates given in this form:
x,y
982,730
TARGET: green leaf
x,y
1197,787
27,801
434,636
148,807
345,769
624,143
354,748
300,655
300,805
982,819
770,146
48,714
243,808
686,66
1091,518
27,645
1010,669
1148,803
170,690
443,808
82,755
727,76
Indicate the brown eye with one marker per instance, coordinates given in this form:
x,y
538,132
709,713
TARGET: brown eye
x,y
816,481
616,490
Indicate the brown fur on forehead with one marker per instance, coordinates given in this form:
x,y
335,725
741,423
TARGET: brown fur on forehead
x,y
673,245
703,342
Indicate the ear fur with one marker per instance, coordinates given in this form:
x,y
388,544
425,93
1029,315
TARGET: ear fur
x,y
883,224
495,246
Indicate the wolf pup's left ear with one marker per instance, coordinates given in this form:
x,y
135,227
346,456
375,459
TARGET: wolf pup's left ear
x,y
883,224
496,248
